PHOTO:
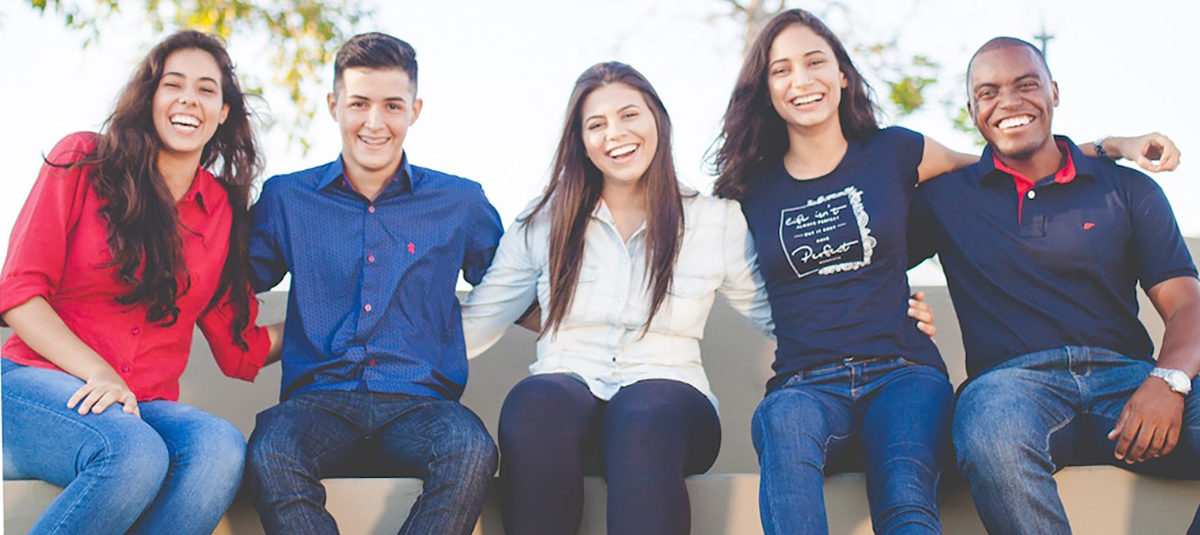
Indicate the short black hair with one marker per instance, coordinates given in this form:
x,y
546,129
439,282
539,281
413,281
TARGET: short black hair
x,y
996,43
375,50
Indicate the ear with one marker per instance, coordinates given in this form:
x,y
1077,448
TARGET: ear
x,y
845,82
224,114
331,99
1054,91
416,109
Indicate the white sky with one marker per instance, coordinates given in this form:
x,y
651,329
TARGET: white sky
x,y
495,77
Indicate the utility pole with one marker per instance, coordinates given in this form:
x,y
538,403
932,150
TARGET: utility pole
x,y
1044,37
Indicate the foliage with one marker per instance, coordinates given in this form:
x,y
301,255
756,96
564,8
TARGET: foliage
x,y
302,35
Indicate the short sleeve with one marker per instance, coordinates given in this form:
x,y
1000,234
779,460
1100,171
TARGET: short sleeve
x,y
37,248
908,148
482,237
505,293
267,262
1159,249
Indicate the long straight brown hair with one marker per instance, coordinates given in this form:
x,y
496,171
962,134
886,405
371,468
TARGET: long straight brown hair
x,y
575,186
752,133
143,224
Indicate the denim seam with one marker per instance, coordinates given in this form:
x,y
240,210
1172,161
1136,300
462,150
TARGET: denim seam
x,y
103,439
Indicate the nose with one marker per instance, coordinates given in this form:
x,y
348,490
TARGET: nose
x,y
614,130
374,117
1007,98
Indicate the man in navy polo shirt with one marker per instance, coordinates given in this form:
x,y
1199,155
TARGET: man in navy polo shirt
x,y
1043,249
373,354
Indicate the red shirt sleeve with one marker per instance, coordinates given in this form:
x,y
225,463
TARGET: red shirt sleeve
x,y
37,248
233,360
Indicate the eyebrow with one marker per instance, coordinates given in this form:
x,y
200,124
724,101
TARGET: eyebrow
x,y
179,74
1025,76
623,108
806,54
386,99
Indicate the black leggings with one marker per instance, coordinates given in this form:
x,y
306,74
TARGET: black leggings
x,y
644,441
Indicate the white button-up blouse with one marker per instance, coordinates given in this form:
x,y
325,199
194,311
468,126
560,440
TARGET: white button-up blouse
x,y
599,339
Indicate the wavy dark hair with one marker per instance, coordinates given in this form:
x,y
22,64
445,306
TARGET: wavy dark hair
x,y
752,133
143,224
575,187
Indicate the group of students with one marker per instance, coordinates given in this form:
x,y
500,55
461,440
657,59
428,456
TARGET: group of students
x,y
132,236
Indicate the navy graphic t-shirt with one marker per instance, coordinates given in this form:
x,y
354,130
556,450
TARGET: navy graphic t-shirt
x,y
833,253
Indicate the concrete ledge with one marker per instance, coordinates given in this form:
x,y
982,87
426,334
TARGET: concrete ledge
x,y
1098,499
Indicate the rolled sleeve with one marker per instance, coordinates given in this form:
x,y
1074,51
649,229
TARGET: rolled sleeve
x,y
37,248
504,294
483,236
234,361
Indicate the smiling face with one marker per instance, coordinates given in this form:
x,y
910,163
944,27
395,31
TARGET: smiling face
x,y
373,109
619,132
803,78
188,104
1012,101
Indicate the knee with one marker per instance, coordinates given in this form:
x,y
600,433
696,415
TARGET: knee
x,y
271,448
222,449
470,450
543,405
134,453
784,414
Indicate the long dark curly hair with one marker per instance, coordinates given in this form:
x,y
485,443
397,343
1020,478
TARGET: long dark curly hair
x,y
143,224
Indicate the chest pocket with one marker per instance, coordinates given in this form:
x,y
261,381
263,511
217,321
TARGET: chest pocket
x,y
686,306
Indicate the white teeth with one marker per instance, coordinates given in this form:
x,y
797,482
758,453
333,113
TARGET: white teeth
x,y
185,120
806,99
622,150
1012,122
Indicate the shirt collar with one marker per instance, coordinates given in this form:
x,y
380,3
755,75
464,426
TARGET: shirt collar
x,y
1076,165
204,186
335,173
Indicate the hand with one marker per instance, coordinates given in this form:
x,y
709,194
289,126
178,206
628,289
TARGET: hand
x,y
102,389
1150,148
1154,416
919,310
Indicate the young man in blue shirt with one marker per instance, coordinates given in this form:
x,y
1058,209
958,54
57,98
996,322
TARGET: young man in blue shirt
x,y
1043,249
373,355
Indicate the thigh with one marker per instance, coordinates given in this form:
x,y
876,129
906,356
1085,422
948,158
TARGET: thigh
x,y
550,412
422,430
662,417
909,412
43,439
802,421
323,431
1011,409
193,434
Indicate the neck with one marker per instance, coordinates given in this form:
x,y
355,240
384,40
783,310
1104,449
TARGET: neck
x,y
178,172
627,205
1044,161
814,151
370,185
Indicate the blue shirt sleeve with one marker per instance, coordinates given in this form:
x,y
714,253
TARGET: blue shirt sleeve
x,y
1159,249
922,229
267,262
482,239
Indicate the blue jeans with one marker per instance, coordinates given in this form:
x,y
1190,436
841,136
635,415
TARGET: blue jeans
x,y
174,470
331,433
1018,423
896,412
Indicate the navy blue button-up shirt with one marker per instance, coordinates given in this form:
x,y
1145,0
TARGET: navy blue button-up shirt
x,y
1057,265
372,304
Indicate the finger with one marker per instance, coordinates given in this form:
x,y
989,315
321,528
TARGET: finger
x,y
928,328
1123,432
129,401
920,313
1170,159
1146,163
919,296
91,399
1154,450
1172,440
107,399
1137,451
79,395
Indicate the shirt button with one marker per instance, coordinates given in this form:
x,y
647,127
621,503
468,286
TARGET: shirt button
x,y
125,368
1032,194
371,208
367,307
371,363
135,331
371,258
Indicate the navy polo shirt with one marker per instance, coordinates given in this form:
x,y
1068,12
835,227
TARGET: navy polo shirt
x,y
372,304
832,251
1055,265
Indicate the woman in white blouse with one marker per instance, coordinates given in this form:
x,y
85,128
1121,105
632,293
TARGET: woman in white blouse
x,y
624,262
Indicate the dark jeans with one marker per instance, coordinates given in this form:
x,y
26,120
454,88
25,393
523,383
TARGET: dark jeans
x,y
331,433
644,441
898,411
1018,423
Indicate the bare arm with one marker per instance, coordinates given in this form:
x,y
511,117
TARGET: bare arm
x,y
1153,152
937,160
41,328
1150,423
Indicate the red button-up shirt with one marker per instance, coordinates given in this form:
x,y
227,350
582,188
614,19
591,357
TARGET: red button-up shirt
x,y
58,250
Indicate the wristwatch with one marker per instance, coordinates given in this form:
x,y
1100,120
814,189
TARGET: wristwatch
x,y
1177,380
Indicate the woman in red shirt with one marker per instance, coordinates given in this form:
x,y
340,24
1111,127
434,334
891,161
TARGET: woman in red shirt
x,y
125,243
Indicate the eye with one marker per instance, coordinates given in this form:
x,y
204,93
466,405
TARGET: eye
x,y
778,71
1028,85
817,62
594,126
357,104
986,93
629,115
392,106
174,85
208,90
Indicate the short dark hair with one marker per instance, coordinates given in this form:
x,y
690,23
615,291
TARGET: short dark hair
x,y
375,50
996,43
